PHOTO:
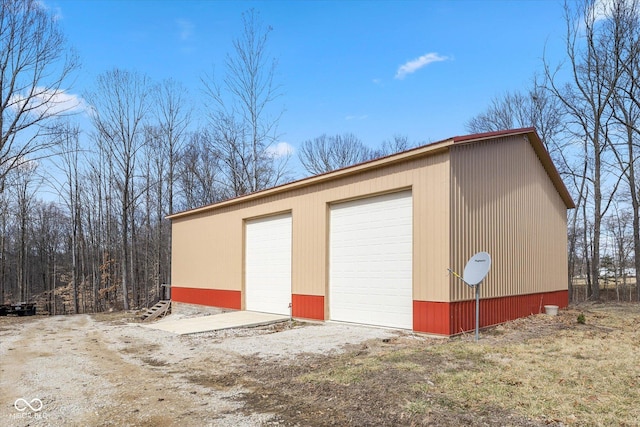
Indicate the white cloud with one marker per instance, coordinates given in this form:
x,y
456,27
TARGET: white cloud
x,y
414,65
57,14
603,9
186,29
281,149
47,102
356,117
55,11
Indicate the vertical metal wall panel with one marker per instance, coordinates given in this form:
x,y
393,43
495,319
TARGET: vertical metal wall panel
x,y
503,202
200,248
308,306
431,230
498,310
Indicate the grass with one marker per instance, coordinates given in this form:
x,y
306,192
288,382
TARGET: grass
x,y
116,317
154,362
541,370
345,373
581,374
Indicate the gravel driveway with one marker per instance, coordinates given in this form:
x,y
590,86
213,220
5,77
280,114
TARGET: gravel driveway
x,y
106,371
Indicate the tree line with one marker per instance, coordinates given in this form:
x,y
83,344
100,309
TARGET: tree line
x,y
103,241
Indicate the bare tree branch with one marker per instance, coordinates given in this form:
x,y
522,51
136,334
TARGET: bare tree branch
x,y
34,65
243,122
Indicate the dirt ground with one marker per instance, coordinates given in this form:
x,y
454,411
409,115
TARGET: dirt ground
x,y
107,370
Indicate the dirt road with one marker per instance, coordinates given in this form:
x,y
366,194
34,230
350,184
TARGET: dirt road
x,y
76,370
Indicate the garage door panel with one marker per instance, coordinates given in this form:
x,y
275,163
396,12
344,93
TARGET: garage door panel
x,y
268,264
370,278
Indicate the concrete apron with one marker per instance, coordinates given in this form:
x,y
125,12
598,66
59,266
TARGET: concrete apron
x,y
217,322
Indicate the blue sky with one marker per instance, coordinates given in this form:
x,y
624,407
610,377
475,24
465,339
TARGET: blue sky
x,y
373,68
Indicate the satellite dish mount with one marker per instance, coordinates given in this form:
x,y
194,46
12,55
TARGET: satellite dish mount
x,y
474,273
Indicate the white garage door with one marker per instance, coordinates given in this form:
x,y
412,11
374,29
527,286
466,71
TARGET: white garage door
x,y
370,270
268,264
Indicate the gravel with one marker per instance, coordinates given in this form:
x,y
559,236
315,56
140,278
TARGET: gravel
x,y
111,372
326,338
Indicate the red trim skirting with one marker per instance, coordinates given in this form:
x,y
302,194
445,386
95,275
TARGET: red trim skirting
x,y
431,317
210,297
450,318
307,306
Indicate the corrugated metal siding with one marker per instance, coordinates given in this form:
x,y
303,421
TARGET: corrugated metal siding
x,y
431,217
499,310
450,318
308,306
503,202
432,317
201,248
210,297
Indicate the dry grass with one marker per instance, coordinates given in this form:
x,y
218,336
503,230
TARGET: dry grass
x,y
152,361
579,374
345,374
536,371
118,317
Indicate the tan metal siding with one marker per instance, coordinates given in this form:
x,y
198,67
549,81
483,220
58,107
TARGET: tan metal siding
x,y
431,219
208,246
201,248
503,202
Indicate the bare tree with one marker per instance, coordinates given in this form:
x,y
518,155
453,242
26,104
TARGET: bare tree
x,y
26,182
398,144
594,53
67,139
626,110
617,225
4,243
98,202
244,120
48,228
199,166
120,104
34,64
173,114
327,153
536,107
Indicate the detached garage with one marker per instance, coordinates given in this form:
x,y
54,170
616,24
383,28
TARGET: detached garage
x,y
371,243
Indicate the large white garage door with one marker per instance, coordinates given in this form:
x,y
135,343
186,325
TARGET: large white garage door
x,y
370,270
268,264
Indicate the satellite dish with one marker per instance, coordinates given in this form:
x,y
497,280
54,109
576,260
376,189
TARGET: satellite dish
x,y
477,268
475,271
